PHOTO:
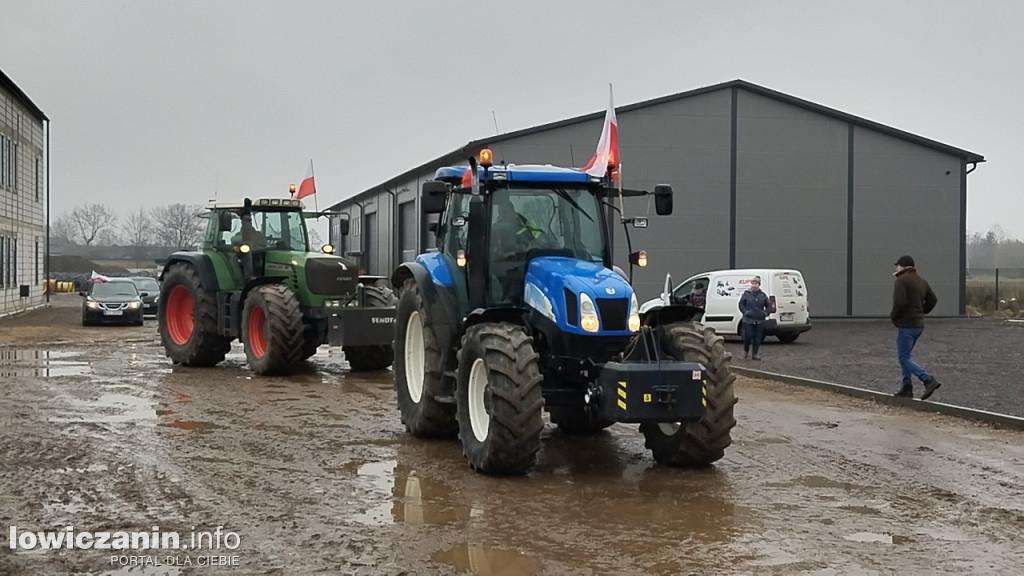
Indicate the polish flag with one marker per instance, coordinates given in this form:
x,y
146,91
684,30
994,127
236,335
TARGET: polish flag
x,y
307,187
607,146
98,277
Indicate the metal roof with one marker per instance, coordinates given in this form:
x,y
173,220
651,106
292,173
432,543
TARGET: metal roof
x,y
9,86
460,153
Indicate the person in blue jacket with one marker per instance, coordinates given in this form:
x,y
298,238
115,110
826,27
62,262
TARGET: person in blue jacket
x,y
755,307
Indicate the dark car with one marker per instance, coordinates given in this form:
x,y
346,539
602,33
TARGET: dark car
x,y
115,301
149,289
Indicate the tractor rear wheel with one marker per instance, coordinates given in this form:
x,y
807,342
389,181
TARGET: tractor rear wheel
x,y
187,319
579,421
366,358
272,329
418,380
498,399
704,441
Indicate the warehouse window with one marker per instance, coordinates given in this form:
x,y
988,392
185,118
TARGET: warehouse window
x,y
37,262
13,242
370,243
3,161
3,261
39,178
406,232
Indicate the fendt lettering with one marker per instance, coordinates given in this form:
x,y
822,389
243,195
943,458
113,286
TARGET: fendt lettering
x,y
386,320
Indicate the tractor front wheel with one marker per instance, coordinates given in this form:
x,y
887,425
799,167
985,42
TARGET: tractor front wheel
x,y
418,381
704,441
366,358
272,329
498,399
187,318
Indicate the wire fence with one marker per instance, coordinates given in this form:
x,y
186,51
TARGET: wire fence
x,y
996,289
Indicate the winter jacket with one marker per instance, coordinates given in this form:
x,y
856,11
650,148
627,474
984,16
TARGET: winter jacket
x,y
755,306
912,298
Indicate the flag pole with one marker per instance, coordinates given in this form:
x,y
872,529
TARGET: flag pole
x,y
316,205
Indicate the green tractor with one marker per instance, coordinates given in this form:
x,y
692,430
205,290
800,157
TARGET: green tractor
x,y
257,280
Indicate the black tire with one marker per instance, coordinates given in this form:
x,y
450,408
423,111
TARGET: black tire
x,y
788,338
366,358
579,421
417,389
507,438
187,320
702,442
272,329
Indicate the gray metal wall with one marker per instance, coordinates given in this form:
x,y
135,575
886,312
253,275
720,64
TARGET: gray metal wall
x,y
781,186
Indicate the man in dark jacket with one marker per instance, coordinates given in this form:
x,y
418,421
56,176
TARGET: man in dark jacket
x,y
912,298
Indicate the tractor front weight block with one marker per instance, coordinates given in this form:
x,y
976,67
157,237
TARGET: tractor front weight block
x,y
647,387
360,326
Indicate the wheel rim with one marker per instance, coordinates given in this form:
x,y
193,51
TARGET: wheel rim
x,y
478,416
178,315
414,353
669,428
257,341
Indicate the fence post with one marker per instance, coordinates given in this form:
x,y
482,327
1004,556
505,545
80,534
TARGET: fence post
x,y
997,288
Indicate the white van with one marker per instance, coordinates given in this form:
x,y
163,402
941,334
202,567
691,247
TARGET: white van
x,y
790,315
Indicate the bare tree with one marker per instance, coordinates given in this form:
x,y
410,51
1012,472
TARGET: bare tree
x,y
89,220
177,226
61,229
137,228
315,241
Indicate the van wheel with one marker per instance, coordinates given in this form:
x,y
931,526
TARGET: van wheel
x,y
788,338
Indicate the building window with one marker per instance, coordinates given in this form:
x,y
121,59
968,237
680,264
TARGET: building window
x,y
37,262
39,178
3,161
14,261
406,232
3,261
369,233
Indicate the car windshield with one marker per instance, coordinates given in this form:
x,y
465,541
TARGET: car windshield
x,y
550,217
109,289
146,284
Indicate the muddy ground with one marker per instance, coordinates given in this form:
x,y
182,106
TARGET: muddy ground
x,y
315,474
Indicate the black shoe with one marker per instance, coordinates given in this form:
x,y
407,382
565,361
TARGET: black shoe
x,y
905,392
930,386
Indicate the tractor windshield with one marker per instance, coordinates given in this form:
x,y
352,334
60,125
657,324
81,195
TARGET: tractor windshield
x,y
547,217
284,230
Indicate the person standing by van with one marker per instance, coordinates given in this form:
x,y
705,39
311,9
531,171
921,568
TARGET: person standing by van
x,y
912,298
755,307
697,298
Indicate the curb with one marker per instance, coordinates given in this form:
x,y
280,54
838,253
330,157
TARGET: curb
x,y
884,398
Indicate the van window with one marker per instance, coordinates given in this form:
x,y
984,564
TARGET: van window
x,y
729,286
683,290
791,284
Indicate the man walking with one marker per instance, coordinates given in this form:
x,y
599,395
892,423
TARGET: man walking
x,y
912,298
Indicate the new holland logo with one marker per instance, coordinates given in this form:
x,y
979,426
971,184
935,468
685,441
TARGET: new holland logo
x,y
610,290
386,320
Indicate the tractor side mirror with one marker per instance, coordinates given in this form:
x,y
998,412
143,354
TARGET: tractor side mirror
x,y
435,194
343,226
663,199
224,222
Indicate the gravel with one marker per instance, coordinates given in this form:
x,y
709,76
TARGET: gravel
x,y
980,361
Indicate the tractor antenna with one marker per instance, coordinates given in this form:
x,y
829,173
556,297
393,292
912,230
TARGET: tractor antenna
x,y
572,159
495,118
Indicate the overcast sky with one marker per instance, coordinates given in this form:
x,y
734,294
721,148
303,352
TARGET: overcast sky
x,y
153,102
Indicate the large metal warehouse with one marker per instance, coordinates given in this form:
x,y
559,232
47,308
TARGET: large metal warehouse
x,y
762,179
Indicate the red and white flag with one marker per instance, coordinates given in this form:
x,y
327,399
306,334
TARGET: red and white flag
x,y
607,146
307,187
98,277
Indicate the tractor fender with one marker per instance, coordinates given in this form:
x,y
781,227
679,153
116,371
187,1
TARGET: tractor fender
x,y
672,313
255,282
200,262
511,314
440,304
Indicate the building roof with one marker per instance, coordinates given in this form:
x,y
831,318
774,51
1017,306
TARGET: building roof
x,y
8,85
750,87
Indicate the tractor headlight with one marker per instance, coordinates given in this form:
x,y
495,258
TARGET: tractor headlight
x,y
634,314
328,248
533,297
244,248
588,314
332,303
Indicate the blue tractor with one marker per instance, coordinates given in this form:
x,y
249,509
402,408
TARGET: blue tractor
x,y
520,310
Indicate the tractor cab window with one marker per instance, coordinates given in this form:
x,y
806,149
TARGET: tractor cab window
x,y
282,230
225,237
565,219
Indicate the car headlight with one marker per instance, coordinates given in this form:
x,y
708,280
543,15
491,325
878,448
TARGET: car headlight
x,y
533,297
134,305
634,314
588,314
91,304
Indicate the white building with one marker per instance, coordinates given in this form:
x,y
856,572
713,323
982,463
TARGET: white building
x,y
23,200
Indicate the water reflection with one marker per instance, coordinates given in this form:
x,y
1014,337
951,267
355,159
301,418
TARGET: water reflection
x,y
40,363
485,561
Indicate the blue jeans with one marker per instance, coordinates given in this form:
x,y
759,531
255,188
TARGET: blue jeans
x,y
752,336
906,338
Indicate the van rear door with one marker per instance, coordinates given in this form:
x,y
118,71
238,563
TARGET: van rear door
x,y
790,295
